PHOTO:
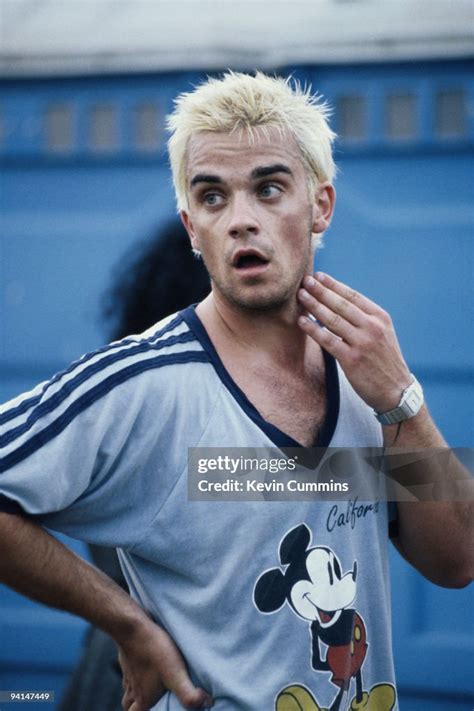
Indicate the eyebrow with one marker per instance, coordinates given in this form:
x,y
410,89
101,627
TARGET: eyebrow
x,y
259,172
264,170
205,178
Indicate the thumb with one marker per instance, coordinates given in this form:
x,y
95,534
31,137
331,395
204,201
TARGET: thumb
x,y
192,697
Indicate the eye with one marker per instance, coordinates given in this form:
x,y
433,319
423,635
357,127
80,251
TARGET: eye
x,y
331,577
269,190
212,199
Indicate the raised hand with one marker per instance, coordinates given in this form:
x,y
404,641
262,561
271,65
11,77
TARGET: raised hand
x,y
360,335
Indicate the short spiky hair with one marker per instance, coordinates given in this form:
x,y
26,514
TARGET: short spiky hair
x,y
244,102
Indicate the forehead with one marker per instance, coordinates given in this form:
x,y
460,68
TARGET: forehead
x,y
221,153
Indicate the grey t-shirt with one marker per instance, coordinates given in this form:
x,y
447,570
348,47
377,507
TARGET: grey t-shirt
x,y
248,590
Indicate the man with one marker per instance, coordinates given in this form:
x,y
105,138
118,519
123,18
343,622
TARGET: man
x,y
100,452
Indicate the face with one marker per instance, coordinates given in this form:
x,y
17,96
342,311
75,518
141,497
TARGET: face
x,y
327,591
251,217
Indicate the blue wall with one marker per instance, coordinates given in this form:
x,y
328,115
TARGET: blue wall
x,y
402,234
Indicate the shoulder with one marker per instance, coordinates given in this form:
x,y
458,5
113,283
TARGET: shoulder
x,y
113,385
170,342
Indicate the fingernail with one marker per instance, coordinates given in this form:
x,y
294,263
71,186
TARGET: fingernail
x,y
303,295
309,281
320,276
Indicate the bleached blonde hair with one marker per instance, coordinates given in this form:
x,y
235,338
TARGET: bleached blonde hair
x,y
245,102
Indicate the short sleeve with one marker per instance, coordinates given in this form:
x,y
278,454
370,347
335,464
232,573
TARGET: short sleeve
x,y
84,451
64,452
95,451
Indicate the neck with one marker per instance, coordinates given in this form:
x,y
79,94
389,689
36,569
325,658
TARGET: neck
x,y
274,334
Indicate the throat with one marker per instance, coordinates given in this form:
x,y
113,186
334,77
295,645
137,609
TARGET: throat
x,y
280,371
295,403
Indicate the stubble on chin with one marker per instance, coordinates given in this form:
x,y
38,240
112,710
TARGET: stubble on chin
x,y
257,298
258,303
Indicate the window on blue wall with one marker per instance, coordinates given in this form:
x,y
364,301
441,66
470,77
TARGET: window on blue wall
x,y
450,113
400,116
103,130
146,127
58,128
351,117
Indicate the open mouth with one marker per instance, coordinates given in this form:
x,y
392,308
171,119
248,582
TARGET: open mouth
x,y
325,616
249,260
322,614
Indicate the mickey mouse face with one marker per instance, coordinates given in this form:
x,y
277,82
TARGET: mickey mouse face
x,y
327,591
312,583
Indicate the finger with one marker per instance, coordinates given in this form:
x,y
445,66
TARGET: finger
x,y
176,679
127,699
342,307
327,340
137,705
350,295
190,696
333,321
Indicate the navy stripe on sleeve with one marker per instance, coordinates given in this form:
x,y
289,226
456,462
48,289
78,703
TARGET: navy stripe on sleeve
x,y
91,396
68,388
27,404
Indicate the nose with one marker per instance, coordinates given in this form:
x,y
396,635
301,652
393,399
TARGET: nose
x,y
242,221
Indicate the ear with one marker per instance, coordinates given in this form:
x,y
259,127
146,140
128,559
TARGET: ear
x,y
323,206
270,591
293,546
188,225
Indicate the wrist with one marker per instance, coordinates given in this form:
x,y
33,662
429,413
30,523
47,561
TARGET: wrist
x,y
132,624
390,399
410,402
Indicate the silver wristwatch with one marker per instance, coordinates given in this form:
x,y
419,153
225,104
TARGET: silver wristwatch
x,y
410,404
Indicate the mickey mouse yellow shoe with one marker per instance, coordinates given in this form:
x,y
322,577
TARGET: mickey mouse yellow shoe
x,y
296,698
380,698
362,704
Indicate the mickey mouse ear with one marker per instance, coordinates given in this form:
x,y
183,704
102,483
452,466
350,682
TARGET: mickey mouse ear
x,y
270,591
294,545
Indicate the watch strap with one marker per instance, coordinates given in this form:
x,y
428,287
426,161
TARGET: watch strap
x,y
410,404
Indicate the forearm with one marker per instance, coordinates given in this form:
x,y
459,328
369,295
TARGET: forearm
x,y
37,565
436,536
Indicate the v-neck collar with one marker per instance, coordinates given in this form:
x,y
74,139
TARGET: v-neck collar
x,y
277,436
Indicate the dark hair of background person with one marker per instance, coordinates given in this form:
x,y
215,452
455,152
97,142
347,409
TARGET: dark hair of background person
x,y
154,278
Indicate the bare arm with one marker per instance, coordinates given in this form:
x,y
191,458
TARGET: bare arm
x,y
427,529
436,537
37,565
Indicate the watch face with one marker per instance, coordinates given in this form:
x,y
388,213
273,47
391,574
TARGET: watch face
x,y
409,406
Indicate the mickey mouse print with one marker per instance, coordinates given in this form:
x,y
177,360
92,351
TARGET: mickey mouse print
x,y
317,590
